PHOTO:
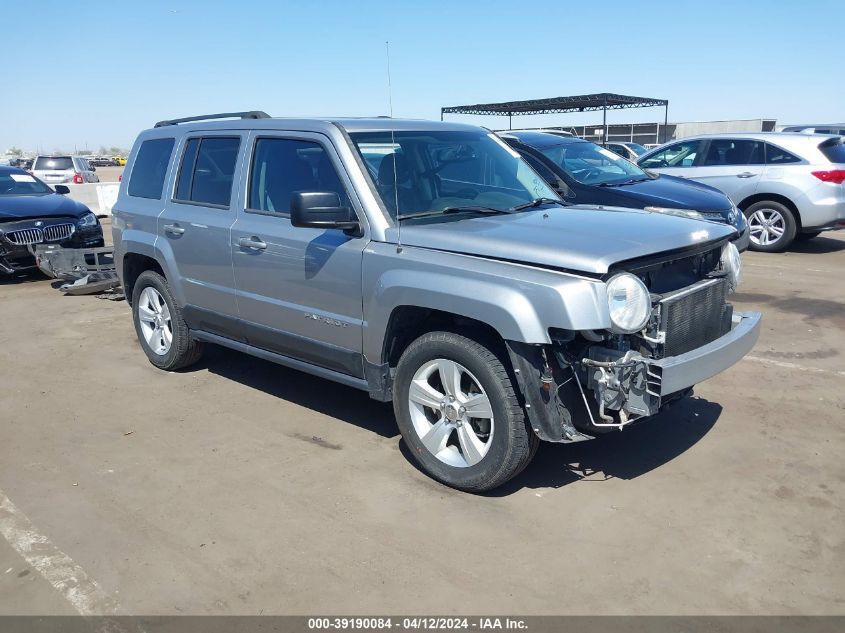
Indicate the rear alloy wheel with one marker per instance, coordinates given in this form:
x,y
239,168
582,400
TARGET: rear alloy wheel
x,y
772,226
161,330
458,413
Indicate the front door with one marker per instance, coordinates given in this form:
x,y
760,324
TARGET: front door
x,y
194,230
298,289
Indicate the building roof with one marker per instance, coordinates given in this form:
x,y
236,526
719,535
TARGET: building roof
x,y
580,103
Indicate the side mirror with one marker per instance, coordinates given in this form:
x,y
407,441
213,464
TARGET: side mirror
x,y
322,210
62,189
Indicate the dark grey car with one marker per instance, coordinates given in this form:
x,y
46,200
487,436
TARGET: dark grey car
x,y
427,264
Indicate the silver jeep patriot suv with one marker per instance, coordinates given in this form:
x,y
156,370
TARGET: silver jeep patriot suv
x,y
427,264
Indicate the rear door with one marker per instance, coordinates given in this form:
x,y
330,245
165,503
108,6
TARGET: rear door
x,y
194,229
299,289
733,166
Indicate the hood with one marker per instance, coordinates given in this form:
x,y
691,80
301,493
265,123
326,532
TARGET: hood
x,y
50,205
676,193
580,238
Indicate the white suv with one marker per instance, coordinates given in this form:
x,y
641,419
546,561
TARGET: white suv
x,y
788,185
58,170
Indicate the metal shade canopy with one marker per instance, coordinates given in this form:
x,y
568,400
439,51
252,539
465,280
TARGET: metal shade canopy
x,y
603,101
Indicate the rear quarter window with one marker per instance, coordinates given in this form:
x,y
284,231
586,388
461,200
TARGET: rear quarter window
x,y
778,156
833,150
150,168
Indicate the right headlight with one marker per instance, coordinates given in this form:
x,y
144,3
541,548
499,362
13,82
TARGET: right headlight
x,y
732,264
628,302
684,213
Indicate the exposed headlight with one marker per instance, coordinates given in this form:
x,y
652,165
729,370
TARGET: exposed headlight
x,y
684,213
733,215
732,264
89,219
628,302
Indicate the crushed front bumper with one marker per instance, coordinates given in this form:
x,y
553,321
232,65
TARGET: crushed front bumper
x,y
627,387
685,370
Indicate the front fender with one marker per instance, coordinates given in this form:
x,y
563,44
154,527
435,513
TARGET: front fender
x,y
520,302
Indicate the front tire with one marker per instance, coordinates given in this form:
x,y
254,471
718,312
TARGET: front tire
x,y
772,226
458,412
161,330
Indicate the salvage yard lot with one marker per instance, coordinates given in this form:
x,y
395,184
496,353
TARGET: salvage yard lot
x,y
242,487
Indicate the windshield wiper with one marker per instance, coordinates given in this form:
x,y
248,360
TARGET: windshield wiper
x,y
445,210
623,182
473,209
536,202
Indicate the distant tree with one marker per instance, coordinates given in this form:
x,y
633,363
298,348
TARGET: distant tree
x,y
15,151
116,151
102,150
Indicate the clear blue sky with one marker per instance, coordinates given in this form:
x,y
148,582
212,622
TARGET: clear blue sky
x,y
97,72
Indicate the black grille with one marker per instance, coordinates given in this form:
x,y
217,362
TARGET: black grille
x,y
695,316
51,233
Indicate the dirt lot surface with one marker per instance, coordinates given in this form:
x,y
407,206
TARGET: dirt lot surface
x,y
242,487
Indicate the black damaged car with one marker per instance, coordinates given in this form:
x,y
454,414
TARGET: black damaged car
x,y
32,213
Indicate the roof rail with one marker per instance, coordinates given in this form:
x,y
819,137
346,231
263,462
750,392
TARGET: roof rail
x,y
252,114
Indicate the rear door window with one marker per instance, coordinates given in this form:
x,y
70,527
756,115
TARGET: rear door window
x,y
208,169
733,152
150,168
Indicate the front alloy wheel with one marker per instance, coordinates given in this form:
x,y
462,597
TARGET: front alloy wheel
x,y
452,414
459,413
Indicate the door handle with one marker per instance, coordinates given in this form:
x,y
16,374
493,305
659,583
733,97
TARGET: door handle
x,y
745,174
173,229
253,242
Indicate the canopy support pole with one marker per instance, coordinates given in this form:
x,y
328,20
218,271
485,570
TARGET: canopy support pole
x,y
604,122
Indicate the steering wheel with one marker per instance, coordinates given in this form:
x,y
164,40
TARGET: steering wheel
x,y
589,173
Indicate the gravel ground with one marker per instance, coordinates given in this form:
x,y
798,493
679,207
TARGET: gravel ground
x,y
241,487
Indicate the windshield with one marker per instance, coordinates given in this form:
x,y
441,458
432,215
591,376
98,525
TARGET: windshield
x,y
20,183
638,149
590,164
427,172
53,163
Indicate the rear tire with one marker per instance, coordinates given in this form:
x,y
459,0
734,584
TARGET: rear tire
x,y
772,226
161,330
476,454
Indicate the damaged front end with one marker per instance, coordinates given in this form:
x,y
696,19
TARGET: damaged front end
x,y
87,270
590,382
